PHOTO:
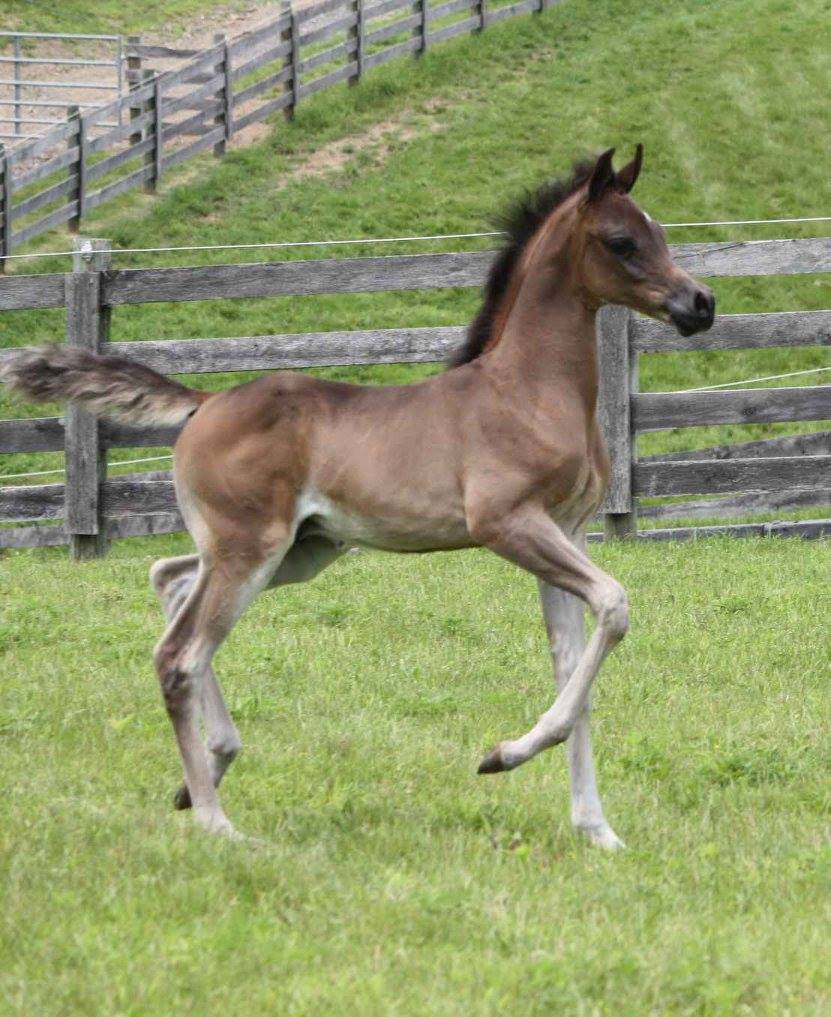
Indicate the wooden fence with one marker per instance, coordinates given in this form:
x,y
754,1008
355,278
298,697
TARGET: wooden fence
x,y
78,165
88,508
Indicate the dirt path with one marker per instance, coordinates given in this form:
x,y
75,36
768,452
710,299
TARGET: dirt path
x,y
197,33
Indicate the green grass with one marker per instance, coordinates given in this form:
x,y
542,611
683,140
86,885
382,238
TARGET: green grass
x,y
393,880
109,17
711,89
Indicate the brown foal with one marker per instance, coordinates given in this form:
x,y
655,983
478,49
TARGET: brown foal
x,y
278,477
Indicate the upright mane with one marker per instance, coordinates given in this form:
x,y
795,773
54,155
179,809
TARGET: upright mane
x,y
520,222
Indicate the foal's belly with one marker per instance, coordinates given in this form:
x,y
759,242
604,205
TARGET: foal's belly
x,y
390,530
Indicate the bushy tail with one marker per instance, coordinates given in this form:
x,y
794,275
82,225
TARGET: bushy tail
x,y
108,386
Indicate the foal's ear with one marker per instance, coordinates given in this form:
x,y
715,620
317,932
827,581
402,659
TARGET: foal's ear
x,y
602,175
627,177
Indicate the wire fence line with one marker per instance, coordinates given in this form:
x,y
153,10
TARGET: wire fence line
x,y
275,244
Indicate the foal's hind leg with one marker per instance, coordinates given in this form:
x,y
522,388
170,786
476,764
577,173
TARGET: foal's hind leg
x,y
227,582
173,579
565,623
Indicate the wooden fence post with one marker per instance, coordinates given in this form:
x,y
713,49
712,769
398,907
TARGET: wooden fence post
x,y
87,327
422,30
134,81
357,33
78,195
5,207
479,7
158,128
294,56
618,379
149,106
222,94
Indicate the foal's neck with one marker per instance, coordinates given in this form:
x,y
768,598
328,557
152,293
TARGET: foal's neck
x,y
548,346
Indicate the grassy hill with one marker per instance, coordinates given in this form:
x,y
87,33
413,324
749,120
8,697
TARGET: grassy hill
x,y
727,95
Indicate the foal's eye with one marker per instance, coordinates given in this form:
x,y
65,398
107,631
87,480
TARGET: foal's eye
x,y
621,246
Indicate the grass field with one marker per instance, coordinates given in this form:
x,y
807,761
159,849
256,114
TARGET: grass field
x,y
392,879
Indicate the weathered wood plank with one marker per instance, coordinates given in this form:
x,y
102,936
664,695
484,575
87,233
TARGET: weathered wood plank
x,y
738,505
813,443
261,86
388,31
327,56
451,7
104,142
195,124
261,112
755,257
192,100
796,473
308,349
32,291
137,497
46,169
501,13
737,331
339,74
206,141
260,60
341,24
811,529
143,49
48,222
60,134
381,10
349,275
658,411
450,31
121,186
38,434
258,37
413,45
26,504
45,197
113,162
33,536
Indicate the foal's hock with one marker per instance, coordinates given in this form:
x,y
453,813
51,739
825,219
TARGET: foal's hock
x,y
279,477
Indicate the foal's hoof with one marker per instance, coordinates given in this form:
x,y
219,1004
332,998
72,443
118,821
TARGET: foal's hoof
x,y
493,762
181,800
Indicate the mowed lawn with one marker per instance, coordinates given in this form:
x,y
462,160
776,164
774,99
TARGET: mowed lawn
x,y
392,879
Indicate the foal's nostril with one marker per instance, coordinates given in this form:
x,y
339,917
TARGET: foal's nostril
x,y
704,305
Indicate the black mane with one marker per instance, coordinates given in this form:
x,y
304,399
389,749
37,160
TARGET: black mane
x,y
520,222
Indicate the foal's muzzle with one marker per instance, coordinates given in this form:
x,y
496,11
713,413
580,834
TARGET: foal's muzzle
x,y
691,308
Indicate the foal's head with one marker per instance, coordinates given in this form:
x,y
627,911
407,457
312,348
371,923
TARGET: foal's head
x,y
622,255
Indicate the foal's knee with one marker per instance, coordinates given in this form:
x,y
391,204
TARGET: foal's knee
x,y
227,745
612,610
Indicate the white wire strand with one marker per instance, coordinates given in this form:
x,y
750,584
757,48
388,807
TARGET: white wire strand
x,y
62,469
383,240
750,381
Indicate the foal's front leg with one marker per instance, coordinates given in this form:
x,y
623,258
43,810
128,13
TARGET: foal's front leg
x,y
529,538
566,626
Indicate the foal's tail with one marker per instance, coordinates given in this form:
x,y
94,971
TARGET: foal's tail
x,y
108,386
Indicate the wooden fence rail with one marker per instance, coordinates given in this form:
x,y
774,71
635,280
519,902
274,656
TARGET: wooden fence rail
x,y
781,472
217,92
